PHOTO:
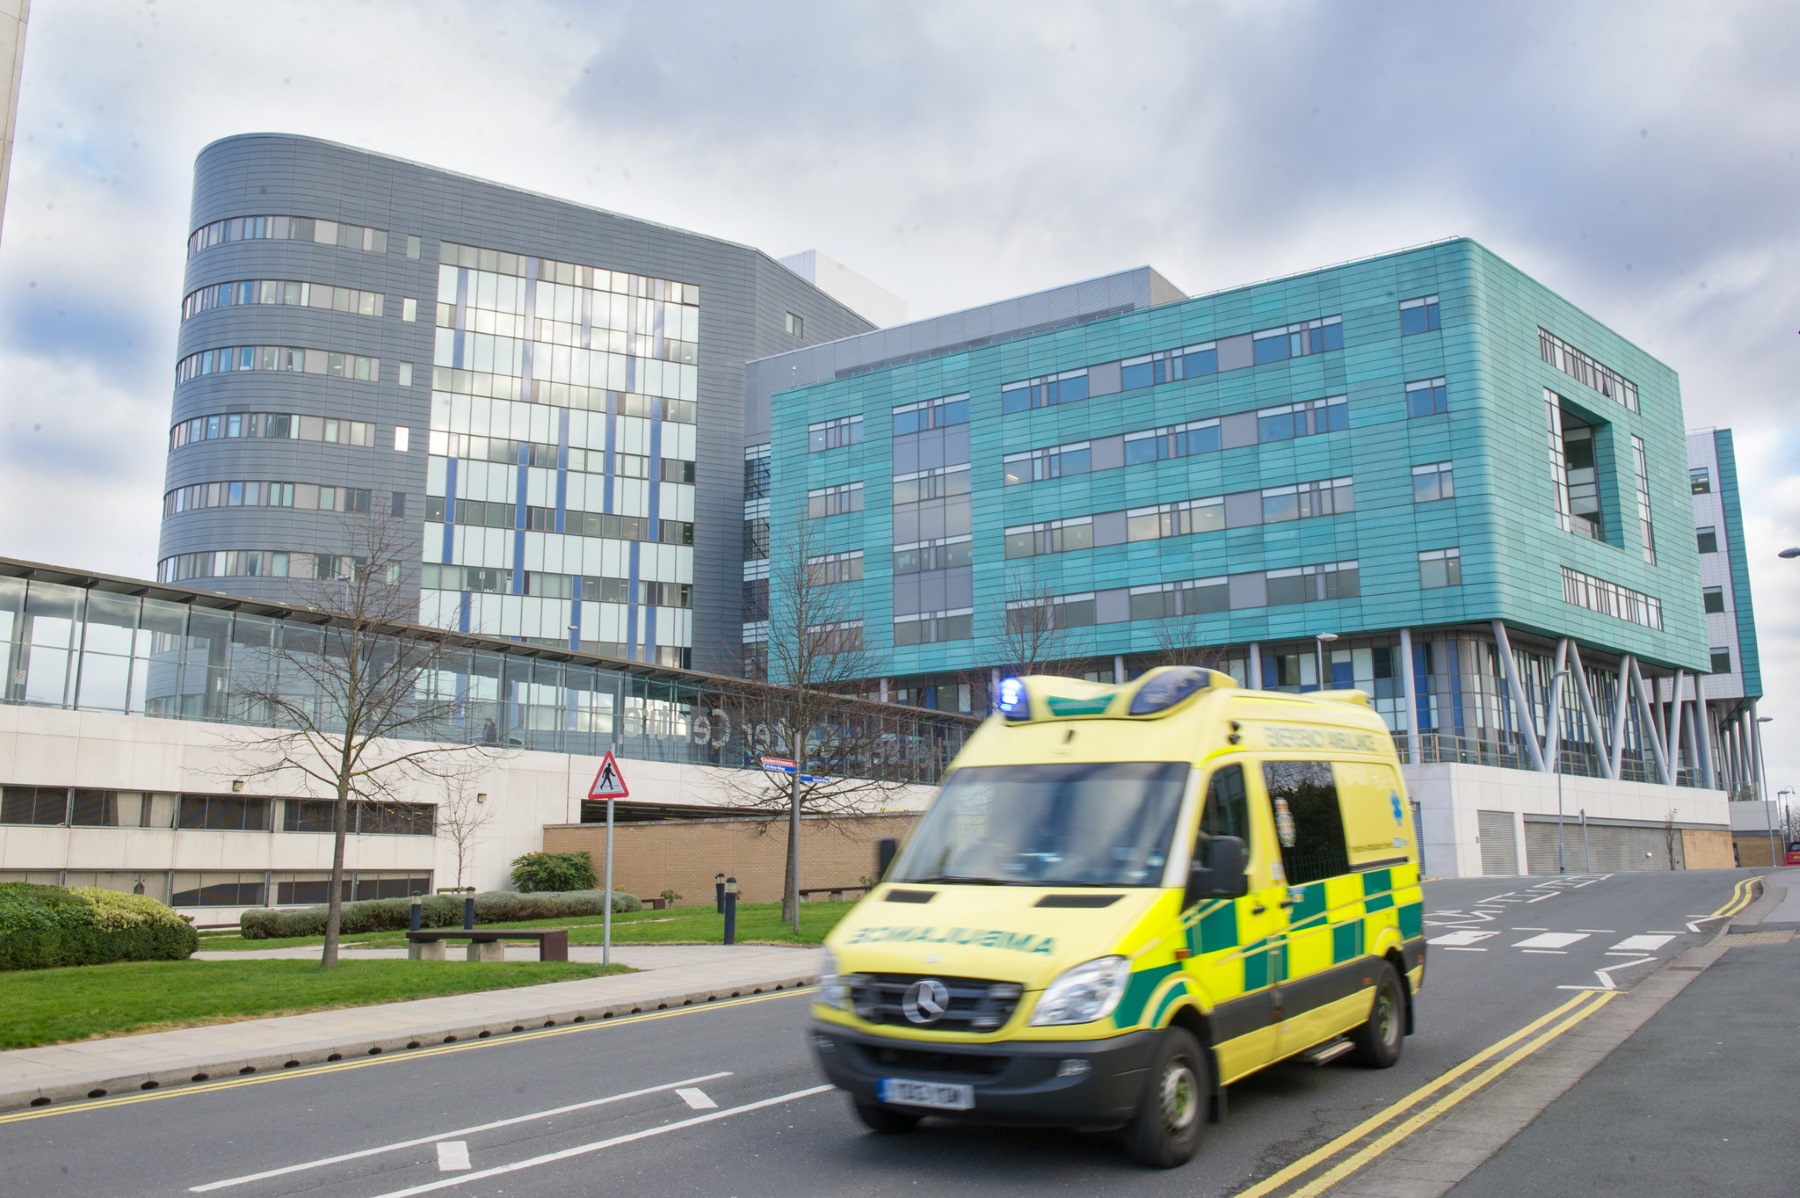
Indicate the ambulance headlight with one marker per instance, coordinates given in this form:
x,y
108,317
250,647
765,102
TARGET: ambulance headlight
x,y
1083,994
837,989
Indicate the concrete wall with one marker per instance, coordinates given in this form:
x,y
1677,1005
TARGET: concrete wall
x,y
651,858
527,791
1449,796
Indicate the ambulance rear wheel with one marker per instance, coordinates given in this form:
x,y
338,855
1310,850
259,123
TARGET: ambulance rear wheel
x,y
1378,1041
884,1120
1166,1129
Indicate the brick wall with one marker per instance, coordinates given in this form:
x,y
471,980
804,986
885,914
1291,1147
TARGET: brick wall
x,y
683,855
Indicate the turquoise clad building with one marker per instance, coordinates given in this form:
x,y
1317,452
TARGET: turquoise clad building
x,y
1424,475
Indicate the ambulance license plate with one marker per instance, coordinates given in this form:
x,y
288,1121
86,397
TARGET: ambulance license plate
x,y
941,1096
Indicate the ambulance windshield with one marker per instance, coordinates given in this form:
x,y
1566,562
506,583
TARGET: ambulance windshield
x,y
1088,824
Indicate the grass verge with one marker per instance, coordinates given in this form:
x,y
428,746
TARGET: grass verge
x,y
758,923
52,1006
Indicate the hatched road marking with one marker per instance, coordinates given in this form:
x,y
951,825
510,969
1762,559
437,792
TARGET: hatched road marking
x,y
1460,939
453,1156
1640,944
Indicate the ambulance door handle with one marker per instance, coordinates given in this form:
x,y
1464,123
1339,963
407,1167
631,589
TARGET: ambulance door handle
x,y
1285,903
1258,909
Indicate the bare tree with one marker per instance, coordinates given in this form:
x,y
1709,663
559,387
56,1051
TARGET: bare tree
x,y
1669,834
461,816
1179,637
812,711
355,702
1038,632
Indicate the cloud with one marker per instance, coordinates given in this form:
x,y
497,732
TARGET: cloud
x,y
1638,158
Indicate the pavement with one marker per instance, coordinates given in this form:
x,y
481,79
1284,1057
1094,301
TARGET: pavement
x,y
1700,1098
670,976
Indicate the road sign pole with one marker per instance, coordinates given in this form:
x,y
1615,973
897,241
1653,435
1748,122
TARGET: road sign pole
x,y
606,933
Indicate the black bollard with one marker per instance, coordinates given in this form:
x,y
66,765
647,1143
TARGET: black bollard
x,y
719,893
469,910
730,901
416,910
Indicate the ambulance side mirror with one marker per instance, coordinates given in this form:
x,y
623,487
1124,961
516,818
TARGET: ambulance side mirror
x,y
1220,875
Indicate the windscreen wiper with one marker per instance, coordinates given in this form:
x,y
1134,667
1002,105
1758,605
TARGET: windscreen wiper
x,y
972,881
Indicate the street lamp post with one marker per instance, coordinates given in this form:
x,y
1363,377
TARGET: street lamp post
x,y
1762,782
1323,639
1786,794
1556,693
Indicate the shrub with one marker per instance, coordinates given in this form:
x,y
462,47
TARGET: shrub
x,y
46,926
553,871
435,911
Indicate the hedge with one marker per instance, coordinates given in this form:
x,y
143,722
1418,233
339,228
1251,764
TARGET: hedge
x,y
538,872
435,911
46,926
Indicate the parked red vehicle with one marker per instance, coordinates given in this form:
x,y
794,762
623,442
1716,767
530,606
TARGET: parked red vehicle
x,y
1793,853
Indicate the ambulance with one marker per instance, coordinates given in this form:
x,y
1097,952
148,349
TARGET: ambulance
x,y
1122,900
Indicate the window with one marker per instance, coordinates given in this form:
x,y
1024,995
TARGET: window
x,y
934,413
796,327
835,567
932,555
833,434
1721,659
1174,519
1201,596
1419,315
43,805
288,228
1059,461
305,496
255,563
406,374
1574,470
1175,441
1227,812
1425,398
931,484
282,291
1040,615
1700,480
402,438
843,637
1306,500
1050,536
409,309
94,809
1641,467
279,425
1432,482
218,890
1712,600
277,357
1440,568
834,501
756,539
1045,391
234,813
412,245
1313,584
1578,365
1308,824
934,628
1708,539
1303,419
1611,599
756,478
1298,340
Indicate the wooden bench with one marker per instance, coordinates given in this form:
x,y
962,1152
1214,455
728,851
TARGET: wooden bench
x,y
487,944
835,893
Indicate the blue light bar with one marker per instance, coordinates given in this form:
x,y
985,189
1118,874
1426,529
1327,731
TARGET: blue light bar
x,y
1014,700
1168,688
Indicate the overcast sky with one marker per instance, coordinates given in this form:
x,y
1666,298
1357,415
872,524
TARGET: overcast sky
x,y
1638,158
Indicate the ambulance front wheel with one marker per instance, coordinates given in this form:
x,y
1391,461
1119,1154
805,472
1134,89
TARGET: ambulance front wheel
x,y
1378,1041
1166,1130
882,1119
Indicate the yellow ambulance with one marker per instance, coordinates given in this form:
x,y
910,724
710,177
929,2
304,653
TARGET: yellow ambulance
x,y
1123,899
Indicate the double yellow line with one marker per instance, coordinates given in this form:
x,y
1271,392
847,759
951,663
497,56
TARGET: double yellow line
x,y
1348,1153
397,1057
1741,894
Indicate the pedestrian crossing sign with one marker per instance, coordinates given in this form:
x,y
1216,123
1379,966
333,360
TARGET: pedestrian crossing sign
x,y
609,783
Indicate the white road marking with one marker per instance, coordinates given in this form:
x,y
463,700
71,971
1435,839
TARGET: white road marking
x,y
1641,944
453,1156
1605,975
1531,929
1660,932
697,1099
1451,948
1549,894
1596,931
1548,952
459,1132
1460,939
1552,940
550,1158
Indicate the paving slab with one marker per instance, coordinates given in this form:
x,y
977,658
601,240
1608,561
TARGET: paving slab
x,y
669,976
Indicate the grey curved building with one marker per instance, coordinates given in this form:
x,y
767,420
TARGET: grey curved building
x,y
547,396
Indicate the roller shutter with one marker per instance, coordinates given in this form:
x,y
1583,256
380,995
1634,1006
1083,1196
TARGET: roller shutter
x,y
1499,849
1611,848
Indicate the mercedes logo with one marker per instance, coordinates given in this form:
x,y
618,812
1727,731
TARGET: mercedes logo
x,y
926,1000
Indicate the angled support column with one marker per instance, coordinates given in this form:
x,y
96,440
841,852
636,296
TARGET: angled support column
x,y
1410,688
1553,716
1677,726
1621,704
1602,751
1521,707
1652,733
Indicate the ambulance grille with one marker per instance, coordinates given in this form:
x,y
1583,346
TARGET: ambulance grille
x,y
976,1005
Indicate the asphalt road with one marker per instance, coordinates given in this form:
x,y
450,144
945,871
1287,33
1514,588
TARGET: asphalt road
x,y
725,1100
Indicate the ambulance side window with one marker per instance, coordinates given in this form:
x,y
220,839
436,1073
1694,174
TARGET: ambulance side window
x,y
1227,807
1308,824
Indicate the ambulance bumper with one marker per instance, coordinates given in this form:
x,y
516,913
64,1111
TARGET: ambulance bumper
x,y
1084,1083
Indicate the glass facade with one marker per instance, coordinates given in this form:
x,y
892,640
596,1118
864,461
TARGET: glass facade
x,y
169,654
